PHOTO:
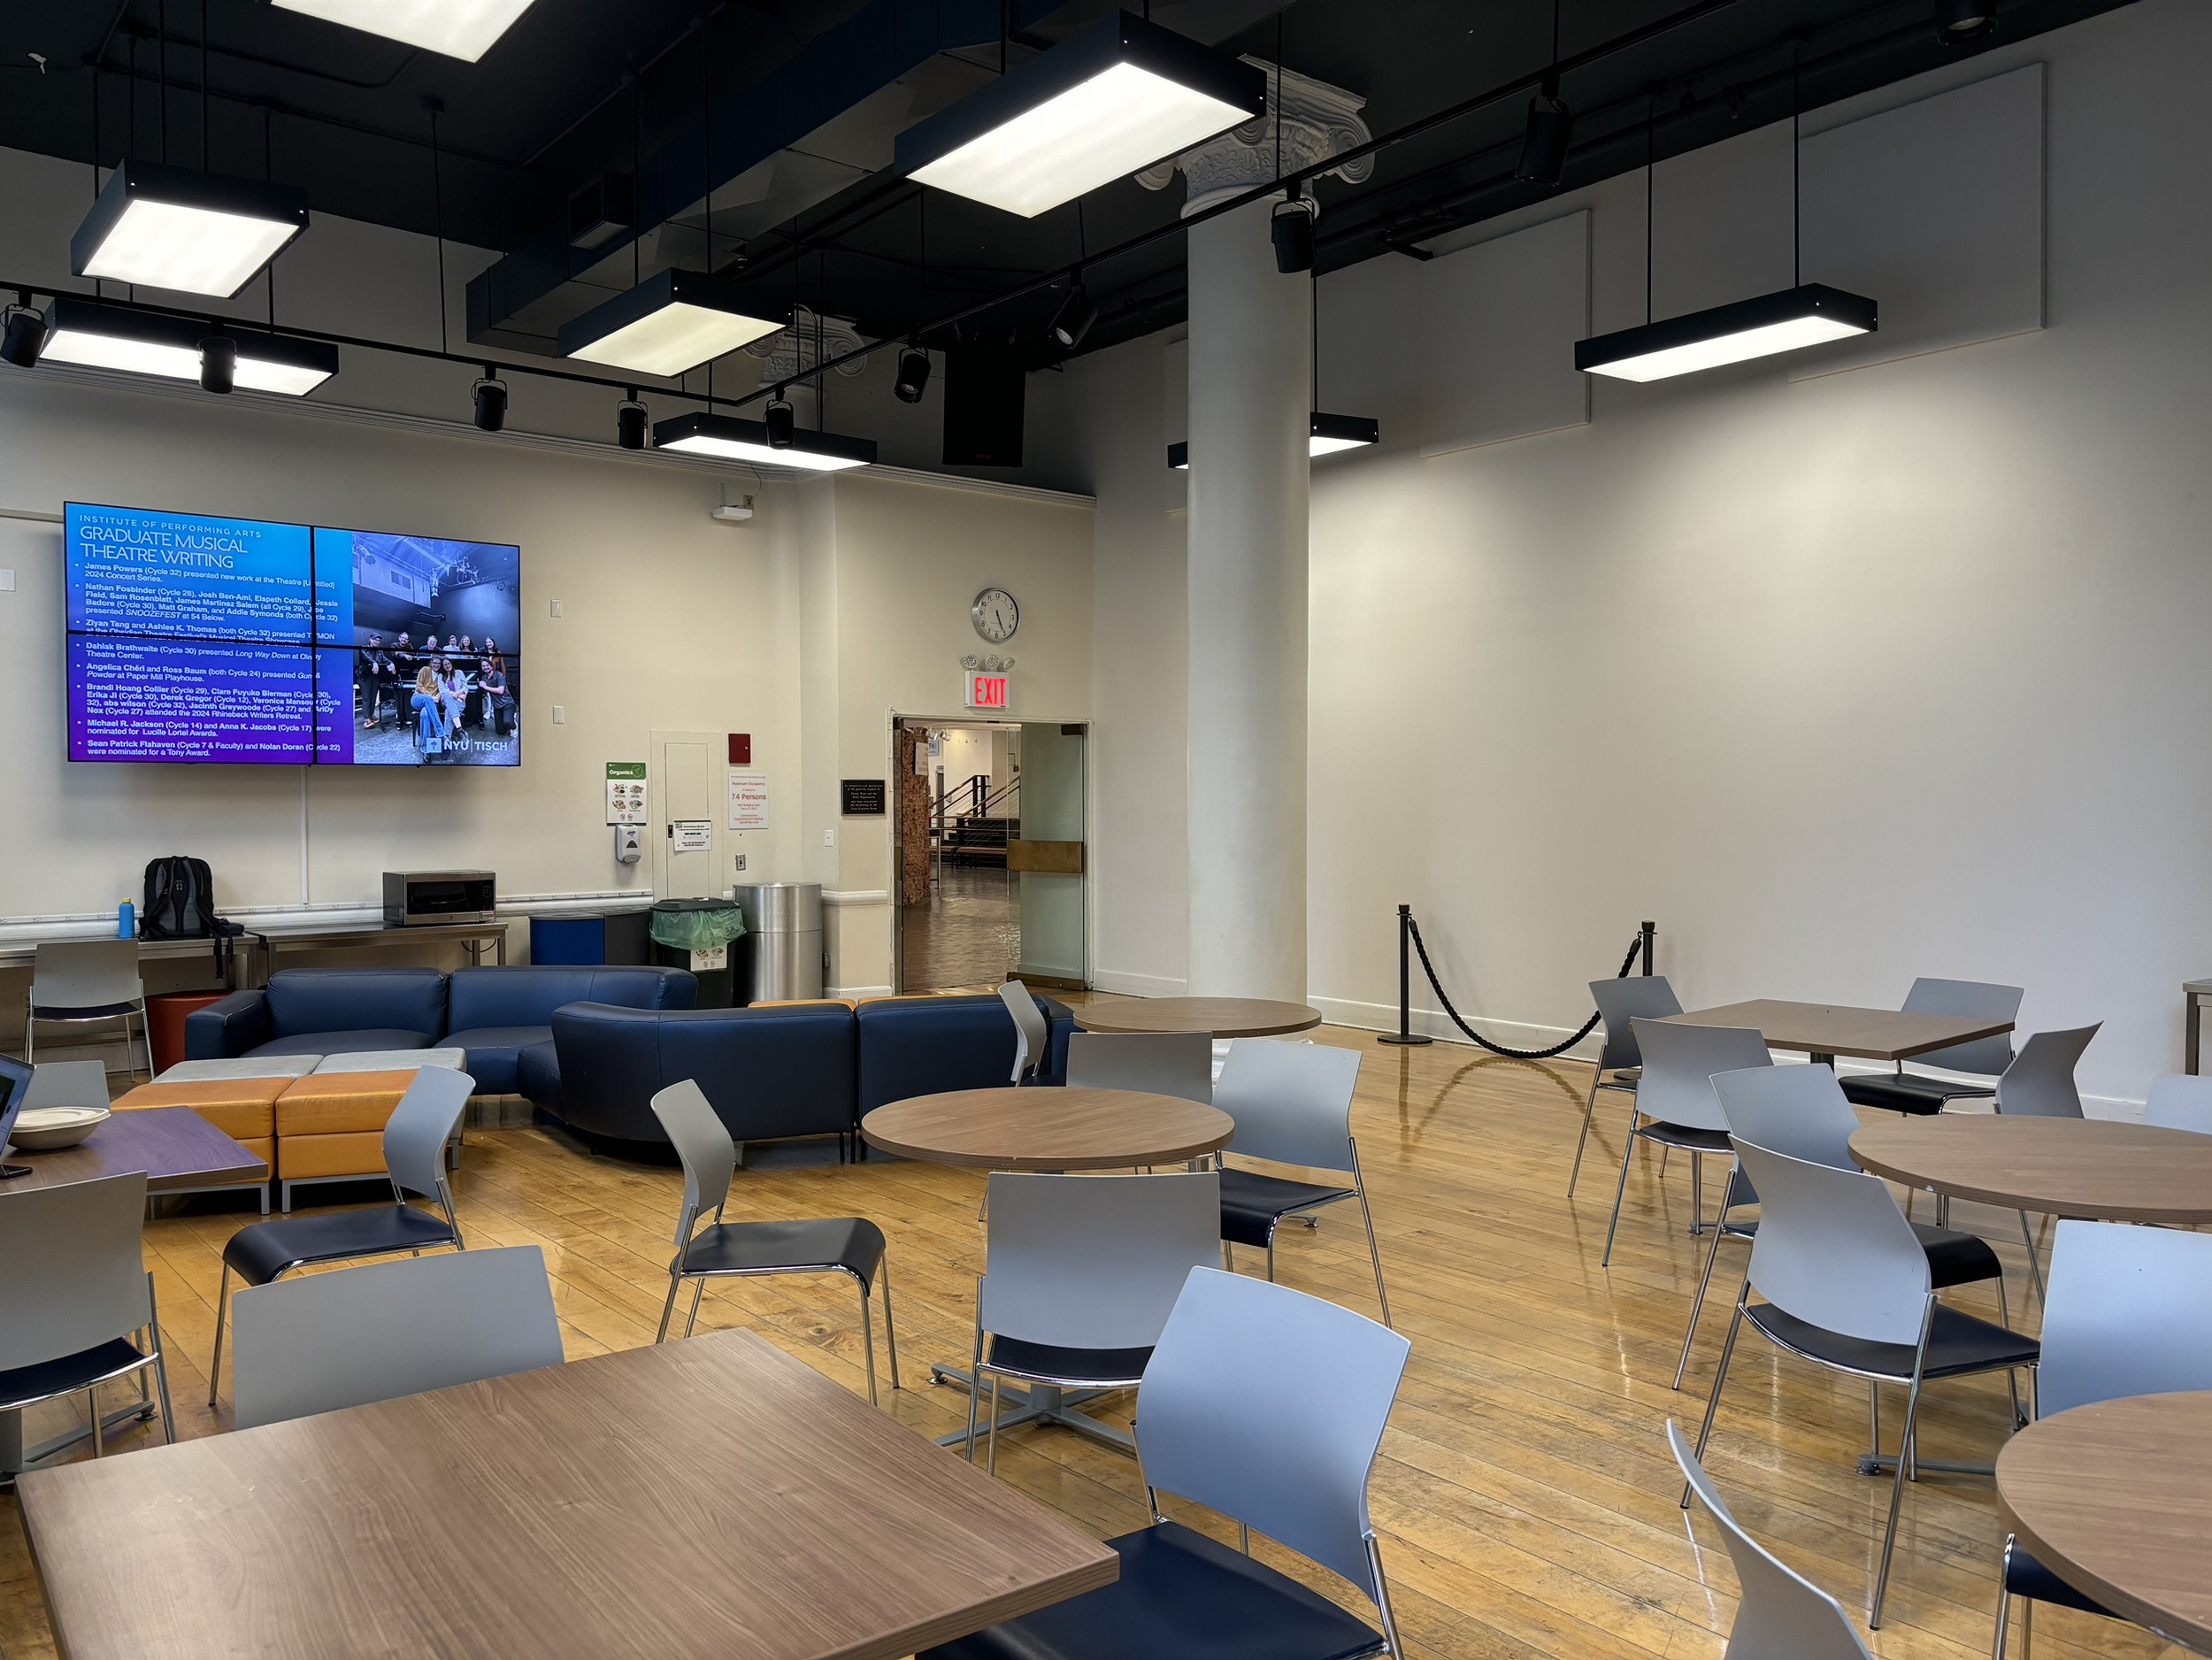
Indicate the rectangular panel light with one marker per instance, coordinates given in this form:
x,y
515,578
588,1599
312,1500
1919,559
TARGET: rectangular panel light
x,y
727,438
459,28
669,324
191,232
1786,321
1111,99
1325,436
96,336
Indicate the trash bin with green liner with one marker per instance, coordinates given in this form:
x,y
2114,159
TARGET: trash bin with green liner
x,y
696,934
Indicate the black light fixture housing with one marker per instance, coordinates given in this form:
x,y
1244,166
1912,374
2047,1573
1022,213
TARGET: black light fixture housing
x,y
1550,131
779,424
1179,457
1328,434
181,228
1073,320
913,375
23,333
1959,21
1805,316
629,422
670,324
218,363
491,402
1293,229
725,437
88,334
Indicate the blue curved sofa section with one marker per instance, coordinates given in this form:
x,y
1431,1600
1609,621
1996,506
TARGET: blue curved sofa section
x,y
786,1071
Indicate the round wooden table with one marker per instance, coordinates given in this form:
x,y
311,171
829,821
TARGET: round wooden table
x,y
2090,1168
1216,1016
2117,1499
1048,1129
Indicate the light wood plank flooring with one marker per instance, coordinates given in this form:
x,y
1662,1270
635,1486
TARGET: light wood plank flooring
x,y
1524,1491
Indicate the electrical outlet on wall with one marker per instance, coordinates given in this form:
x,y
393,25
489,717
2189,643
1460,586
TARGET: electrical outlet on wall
x,y
740,861
7,581
557,608
829,838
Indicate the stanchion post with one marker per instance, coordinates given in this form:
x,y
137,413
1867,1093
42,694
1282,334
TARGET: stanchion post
x,y
1650,931
1404,1036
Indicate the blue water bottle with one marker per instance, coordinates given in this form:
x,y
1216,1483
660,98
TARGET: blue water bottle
x,y
125,922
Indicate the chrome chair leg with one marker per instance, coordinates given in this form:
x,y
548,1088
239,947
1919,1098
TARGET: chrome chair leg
x,y
2004,1604
1697,1192
698,1290
975,1387
1627,1152
675,1281
1908,1452
990,1465
1374,1253
868,1338
1270,1256
890,1329
1589,1108
1697,1305
99,1436
1712,1404
1396,1649
161,1365
2035,1266
222,1306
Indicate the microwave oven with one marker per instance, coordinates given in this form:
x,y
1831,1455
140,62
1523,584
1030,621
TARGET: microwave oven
x,y
412,898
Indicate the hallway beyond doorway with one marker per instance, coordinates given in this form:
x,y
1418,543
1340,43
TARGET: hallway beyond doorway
x,y
966,936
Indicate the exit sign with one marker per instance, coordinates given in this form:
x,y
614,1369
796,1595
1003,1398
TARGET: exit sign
x,y
987,691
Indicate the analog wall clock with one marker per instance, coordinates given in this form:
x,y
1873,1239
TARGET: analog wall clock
x,y
996,615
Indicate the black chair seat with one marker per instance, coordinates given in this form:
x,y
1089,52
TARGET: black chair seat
x,y
1907,1092
2024,1576
1953,1258
1682,1135
87,1011
1069,1368
1180,1596
260,1253
1957,1344
1253,1205
850,1242
26,1385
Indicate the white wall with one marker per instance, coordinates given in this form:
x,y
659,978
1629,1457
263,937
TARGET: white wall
x,y
1842,678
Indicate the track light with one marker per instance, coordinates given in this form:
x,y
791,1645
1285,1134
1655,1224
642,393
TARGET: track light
x,y
1959,21
174,228
777,424
23,334
913,375
491,402
218,363
1550,130
629,422
1073,320
1292,230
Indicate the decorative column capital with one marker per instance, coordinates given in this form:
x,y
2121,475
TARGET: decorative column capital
x,y
1318,122
791,354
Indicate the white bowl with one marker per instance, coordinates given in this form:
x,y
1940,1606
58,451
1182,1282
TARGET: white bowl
x,y
44,1129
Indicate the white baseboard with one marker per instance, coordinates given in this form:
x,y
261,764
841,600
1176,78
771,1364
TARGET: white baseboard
x,y
1137,985
857,991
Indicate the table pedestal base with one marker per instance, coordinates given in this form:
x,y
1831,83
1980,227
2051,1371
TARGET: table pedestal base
x,y
1034,1403
1885,1464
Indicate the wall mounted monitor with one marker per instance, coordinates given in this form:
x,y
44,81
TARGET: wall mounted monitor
x,y
197,638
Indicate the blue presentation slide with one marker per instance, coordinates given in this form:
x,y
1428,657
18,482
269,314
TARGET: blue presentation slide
x,y
189,700
186,575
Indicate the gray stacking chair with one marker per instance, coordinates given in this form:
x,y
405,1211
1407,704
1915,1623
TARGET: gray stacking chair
x,y
1801,1111
2180,1101
1901,1091
2129,1312
76,1302
1157,1062
2040,1084
86,982
1033,1038
1620,1002
846,1244
1781,1614
1675,1104
67,1084
1081,1274
1293,1105
1845,1284
415,1137
1266,1406
323,1341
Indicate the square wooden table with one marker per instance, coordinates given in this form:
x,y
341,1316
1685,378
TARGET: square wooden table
x,y
177,1148
1825,1030
708,1497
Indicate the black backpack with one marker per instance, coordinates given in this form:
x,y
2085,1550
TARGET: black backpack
x,y
180,900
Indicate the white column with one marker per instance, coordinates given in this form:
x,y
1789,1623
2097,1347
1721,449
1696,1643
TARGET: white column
x,y
1250,404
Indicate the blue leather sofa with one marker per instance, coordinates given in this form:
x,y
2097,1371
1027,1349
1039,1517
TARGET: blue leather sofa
x,y
788,1070
494,1013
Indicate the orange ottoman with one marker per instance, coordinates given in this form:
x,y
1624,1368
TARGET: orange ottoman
x,y
243,1109
330,1126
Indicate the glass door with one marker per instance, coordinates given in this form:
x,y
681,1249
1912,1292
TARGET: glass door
x,y
1048,855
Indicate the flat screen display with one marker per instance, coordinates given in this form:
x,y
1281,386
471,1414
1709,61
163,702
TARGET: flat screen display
x,y
198,638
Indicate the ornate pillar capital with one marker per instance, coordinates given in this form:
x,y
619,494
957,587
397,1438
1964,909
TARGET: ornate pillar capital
x,y
791,354
1317,119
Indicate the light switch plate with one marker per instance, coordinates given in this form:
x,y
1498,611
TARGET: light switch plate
x,y
740,861
829,838
7,581
560,715
557,608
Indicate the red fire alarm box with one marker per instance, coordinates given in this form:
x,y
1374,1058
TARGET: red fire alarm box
x,y
741,749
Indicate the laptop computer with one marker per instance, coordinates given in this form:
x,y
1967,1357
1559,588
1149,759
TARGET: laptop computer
x,y
15,1077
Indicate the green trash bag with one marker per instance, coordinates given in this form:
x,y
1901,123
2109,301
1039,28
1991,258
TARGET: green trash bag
x,y
696,924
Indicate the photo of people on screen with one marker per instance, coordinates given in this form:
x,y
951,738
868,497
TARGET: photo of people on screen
x,y
432,687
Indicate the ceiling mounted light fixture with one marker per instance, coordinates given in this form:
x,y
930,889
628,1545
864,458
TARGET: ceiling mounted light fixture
x,y
629,422
1329,434
1551,126
727,438
90,335
1073,320
218,363
22,332
1959,21
668,325
184,230
1291,228
778,422
490,396
464,29
1788,321
1111,99
913,375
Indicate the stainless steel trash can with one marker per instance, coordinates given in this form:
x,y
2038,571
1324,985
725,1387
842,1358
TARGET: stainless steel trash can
x,y
782,951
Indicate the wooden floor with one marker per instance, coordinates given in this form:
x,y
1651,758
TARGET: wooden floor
x,y
1525,1492
968,932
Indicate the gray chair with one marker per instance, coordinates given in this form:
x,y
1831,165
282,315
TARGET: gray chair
x,y
2040,1084
2129,1312
1081,1274
382,1330
1266,1406
1293,1105
1619,1002
2180,1101
84,982
846,1244
1846,1285
1033,1038
1901,1091
1157,1062
1675,1105
414,1156
1801,1111
1781,1615
67,1084
76,1302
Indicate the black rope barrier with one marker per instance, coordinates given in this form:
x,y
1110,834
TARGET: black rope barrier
x,y
1408,930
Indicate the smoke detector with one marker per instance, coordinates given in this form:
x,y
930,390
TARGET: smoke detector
x,y
734,513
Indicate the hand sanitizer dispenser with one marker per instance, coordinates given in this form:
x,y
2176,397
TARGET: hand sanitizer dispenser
x,y
629,843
